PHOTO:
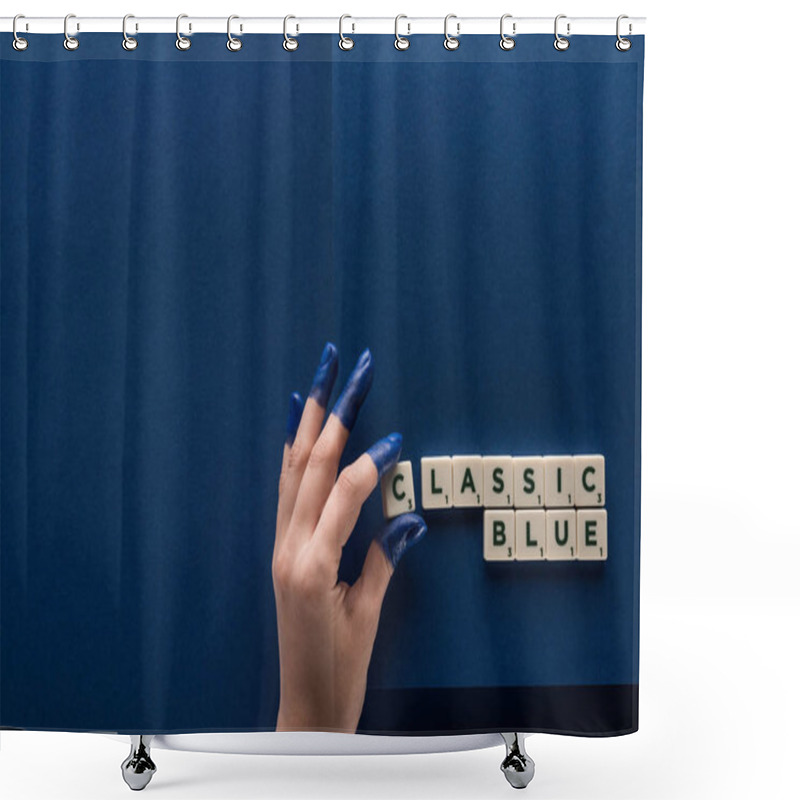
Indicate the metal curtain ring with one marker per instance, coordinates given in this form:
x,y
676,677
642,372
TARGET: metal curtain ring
x,y
70,42
560,43
128,42
181,42
507,42
401,42
451,42
233,44
345,42
289,43
19,43
623,44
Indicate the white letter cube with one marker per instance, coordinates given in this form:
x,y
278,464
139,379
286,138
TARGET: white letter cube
x,y
397,490
437,482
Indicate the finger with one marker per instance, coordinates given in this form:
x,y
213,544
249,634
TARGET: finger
x,y
352,488
325,376
355,391
323,461
292,423
382,559
293,420
305,433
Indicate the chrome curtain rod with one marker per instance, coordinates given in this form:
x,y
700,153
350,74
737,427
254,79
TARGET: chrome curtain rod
x,y
461,26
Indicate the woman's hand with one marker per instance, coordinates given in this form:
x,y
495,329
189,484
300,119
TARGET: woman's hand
x,y
326,629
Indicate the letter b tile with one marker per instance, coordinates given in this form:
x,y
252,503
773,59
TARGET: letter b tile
x,y
499,537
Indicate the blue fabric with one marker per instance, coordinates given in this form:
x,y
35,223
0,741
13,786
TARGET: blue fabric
x,y
181,234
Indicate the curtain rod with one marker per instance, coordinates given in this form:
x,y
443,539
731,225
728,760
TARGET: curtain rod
x,y
568,26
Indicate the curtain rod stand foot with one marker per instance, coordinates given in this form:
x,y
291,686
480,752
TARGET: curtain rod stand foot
x,y
138,768
517,766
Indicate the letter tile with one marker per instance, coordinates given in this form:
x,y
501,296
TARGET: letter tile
x,y
397,490
559,481
498,481
561,538
467,481
592,534
531,535
529,482
437,482
590,481
499,538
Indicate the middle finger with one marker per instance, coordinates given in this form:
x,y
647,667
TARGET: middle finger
x,y
323,461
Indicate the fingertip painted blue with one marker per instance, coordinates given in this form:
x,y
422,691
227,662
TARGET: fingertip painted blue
x,y
355,391
385,452
325,376
400,534
295,412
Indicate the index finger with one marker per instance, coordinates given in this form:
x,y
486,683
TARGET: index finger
x,y
303,427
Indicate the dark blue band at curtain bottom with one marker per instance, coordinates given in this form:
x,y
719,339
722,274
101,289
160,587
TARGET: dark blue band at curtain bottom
x,y
611,710
575,710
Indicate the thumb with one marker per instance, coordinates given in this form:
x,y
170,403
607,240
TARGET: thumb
x,y
383,556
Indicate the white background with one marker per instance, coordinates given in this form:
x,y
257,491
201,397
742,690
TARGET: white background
x,y
720,471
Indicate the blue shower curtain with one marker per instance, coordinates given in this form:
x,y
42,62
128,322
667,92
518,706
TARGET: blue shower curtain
x,y
181,234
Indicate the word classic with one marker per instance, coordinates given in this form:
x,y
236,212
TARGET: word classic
x,y
537,507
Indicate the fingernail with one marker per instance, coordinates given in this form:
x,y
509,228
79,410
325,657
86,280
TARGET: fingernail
x,y
384,453
400,534
355,391
293,422
325,376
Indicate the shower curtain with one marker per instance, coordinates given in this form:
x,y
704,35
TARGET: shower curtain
x,y
182,233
